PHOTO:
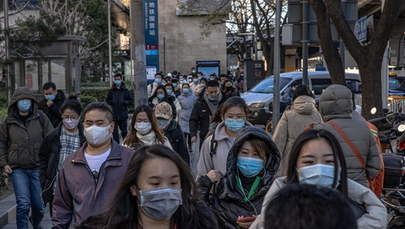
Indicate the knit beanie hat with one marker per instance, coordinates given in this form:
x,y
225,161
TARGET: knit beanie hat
x,y
163,110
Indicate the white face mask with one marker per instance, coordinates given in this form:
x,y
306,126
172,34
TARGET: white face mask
x,y
70,124
318,174
143,127
97,134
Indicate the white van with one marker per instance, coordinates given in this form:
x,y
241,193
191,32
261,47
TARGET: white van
x,y
260,97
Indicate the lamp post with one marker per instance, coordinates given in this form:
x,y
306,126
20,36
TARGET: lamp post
x,y
276,89
109,44
7,51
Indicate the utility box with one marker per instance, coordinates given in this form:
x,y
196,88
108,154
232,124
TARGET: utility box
x,y
254,73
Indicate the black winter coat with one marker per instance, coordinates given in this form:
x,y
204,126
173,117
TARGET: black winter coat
x,y
200,117
49,153
53,112
119,99
176,139
227,201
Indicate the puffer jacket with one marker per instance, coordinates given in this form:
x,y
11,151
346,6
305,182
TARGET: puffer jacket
x,y
176,138
49,154
207,162
227,201
186,102
293,122
376,213
53,112
336,105
19,141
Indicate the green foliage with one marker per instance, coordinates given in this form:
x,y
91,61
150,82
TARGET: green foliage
x,y
86,100
3,114
100,93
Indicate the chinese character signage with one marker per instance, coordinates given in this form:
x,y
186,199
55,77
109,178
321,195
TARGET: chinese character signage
x,y
151,34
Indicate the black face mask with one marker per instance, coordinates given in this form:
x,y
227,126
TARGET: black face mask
x,y
228,88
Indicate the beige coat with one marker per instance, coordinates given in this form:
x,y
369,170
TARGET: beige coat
x,y
294,120
336,105
375,218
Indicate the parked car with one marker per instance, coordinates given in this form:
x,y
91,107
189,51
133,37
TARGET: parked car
x,y
260,97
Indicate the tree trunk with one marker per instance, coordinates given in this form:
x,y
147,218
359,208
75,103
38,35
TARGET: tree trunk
x,y
330,52
370,72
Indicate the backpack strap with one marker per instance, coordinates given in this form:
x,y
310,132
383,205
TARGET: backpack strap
x,y
213,146
348,142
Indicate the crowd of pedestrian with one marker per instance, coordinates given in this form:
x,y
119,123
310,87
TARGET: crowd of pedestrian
x,y
190,158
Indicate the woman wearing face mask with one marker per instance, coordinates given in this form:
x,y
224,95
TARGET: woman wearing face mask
x,y
144,129
172,97
316,158
214,150
157,191
58,144
237,198
161,95
187,100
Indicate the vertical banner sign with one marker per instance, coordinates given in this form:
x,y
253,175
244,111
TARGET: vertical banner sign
x,y
151,37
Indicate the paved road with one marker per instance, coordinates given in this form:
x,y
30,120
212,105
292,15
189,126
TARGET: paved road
x,y
46,222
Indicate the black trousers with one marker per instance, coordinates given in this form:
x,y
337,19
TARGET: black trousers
x,y
123,125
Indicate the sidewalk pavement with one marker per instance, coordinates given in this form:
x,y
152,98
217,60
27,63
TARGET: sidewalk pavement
x,y
8,211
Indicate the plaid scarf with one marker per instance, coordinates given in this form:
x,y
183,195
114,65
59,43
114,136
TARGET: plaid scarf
x,y
69,142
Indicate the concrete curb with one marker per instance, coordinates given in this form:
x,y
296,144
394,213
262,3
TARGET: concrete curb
x,y
7,210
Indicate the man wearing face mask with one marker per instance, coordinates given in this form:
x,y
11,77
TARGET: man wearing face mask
x,y
203,110
119,98
52,102
20,137
158,81
88,178
171,130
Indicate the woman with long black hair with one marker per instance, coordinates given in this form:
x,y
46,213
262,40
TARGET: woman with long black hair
x,y
157,191
316,158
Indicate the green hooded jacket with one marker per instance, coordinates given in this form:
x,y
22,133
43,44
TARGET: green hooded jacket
x,y
19,142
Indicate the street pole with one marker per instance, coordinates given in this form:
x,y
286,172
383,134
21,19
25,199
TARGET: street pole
x,y
109,44
305,42
138,52
7,50
276,90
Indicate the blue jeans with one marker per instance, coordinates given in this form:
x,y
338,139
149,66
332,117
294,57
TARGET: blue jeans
x,y
27,189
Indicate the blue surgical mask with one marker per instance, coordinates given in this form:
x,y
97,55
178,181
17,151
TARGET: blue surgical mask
x,y
234,125
117,82
203,84
249,166
50,97
175,84
169,91
186,90
158,80
160,96
24,105
212,78
318,174
163,123
196,80
200,77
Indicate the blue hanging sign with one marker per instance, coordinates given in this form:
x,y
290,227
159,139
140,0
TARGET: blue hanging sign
x,y
151,34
